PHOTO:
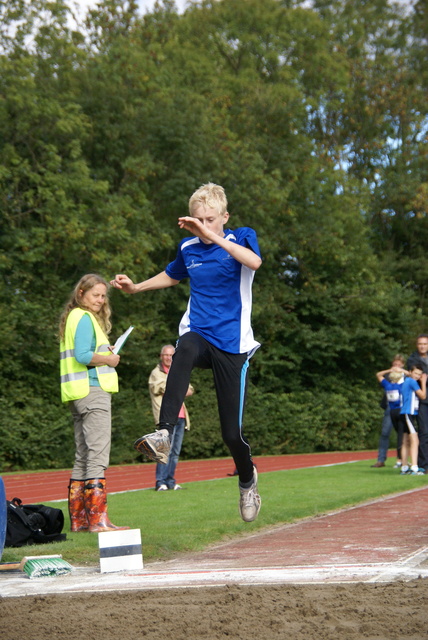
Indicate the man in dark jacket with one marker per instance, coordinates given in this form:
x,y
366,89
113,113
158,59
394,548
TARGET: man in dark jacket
x,y
419,358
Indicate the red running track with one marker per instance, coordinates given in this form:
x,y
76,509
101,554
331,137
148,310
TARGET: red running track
x,y
42,486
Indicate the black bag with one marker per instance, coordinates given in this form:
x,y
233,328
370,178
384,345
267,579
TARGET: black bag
x,y
32,524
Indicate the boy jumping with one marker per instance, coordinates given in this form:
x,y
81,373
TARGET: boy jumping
x,y
215,331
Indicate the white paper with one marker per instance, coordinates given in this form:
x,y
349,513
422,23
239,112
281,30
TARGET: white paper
x,y
121,340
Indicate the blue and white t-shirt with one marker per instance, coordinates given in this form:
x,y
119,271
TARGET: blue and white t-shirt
x,y
393,393
220,302
410,401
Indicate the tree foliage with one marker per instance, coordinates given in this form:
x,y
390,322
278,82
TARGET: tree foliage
x,y
314,121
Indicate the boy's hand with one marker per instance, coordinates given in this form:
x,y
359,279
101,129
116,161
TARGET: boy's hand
x,y
195,227
122,281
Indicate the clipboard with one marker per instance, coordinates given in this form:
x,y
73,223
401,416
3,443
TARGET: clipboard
x,y
122,339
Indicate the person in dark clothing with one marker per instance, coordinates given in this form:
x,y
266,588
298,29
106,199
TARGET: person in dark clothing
x,y
419,358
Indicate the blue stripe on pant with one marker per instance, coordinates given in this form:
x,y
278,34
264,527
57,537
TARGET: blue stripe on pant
x,y
230,373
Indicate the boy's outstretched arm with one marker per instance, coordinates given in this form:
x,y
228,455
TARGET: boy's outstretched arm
x,y
161,281
245,256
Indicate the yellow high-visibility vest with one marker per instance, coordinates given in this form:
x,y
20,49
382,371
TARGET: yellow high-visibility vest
x,y
74,376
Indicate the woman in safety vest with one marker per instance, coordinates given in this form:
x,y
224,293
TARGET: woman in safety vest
x,y
88,378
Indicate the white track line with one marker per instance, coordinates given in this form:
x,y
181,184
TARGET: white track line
x,y
83,579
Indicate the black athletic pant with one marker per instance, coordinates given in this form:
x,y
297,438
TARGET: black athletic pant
x,y
230,381
398,426
423,435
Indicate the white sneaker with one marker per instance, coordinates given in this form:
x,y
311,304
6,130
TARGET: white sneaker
x,y
177,487
155,446
397,465
250,501
162,487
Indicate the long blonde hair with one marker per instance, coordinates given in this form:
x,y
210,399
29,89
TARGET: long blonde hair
x,y
85,283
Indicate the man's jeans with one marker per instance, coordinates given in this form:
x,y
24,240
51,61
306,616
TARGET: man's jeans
x,y
384,436
165,472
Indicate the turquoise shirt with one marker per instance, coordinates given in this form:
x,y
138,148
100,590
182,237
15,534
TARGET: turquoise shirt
x,y
84,347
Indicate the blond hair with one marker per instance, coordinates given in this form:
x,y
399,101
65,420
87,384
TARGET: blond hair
x,y
395,376
209,195
86,283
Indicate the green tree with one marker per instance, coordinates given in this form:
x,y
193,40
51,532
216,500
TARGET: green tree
x,y
313,120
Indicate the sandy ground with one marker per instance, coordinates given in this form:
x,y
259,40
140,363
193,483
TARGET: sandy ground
x,y
394,611
377,534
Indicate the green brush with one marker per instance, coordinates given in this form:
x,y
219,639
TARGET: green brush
x,y
40,566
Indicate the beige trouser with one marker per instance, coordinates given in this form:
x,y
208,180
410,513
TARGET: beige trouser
x,y
92,434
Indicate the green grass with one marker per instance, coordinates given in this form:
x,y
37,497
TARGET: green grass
x,y
205,513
